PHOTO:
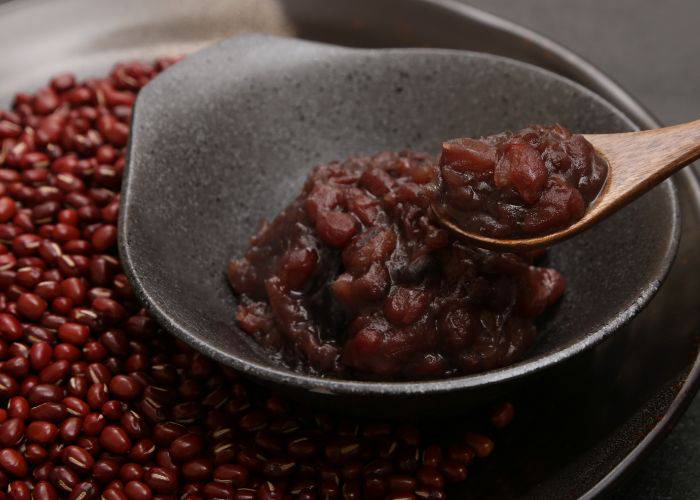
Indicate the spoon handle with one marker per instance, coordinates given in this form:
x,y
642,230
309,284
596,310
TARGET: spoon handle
x,y
640,160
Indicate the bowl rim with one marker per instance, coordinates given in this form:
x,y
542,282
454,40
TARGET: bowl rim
x,y
282,376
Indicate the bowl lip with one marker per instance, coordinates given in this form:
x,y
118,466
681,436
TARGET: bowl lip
x,y
279,375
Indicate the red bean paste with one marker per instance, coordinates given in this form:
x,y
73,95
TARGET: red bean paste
x,y
522,184
355,279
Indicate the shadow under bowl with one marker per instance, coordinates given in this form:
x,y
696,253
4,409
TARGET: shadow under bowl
x,y
227,137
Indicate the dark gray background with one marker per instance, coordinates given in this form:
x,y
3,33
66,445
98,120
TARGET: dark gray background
x,y
652,48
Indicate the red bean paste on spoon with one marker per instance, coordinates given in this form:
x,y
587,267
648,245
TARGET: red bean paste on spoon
x,y
518,185
354,278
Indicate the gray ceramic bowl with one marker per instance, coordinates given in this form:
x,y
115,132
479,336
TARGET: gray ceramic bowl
x,y
227,137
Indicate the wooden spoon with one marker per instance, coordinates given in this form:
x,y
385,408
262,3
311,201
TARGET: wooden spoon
x,y
637,161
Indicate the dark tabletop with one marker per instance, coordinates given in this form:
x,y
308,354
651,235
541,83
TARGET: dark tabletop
x,y
652,48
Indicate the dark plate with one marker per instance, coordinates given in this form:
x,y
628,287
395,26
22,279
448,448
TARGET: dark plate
x,y
625,395
227,137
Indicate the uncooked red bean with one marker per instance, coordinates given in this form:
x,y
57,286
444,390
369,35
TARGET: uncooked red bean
x,y
55,372
13,462
8,386
44,393
70,429
31,305
40,355
186,447
75,289
233,474
78,459
137,490
85,490
51,411
93,423
105,470
104,238
43,490
11,432
165,433
67,351
113,410
7,204
130,472
161,479
113,494
64,479
41,432
482,445
143,451
115,440
97,395
502,414
10,328
75,406
19,490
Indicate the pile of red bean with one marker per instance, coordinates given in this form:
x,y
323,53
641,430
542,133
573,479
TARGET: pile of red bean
x,y
96,401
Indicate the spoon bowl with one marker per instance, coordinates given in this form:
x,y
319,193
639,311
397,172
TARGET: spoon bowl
x,y
226,138
637,161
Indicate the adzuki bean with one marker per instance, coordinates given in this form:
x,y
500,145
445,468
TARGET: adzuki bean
x,y
100,404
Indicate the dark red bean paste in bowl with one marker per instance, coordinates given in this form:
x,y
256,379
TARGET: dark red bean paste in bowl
x,y
356,279
514,185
